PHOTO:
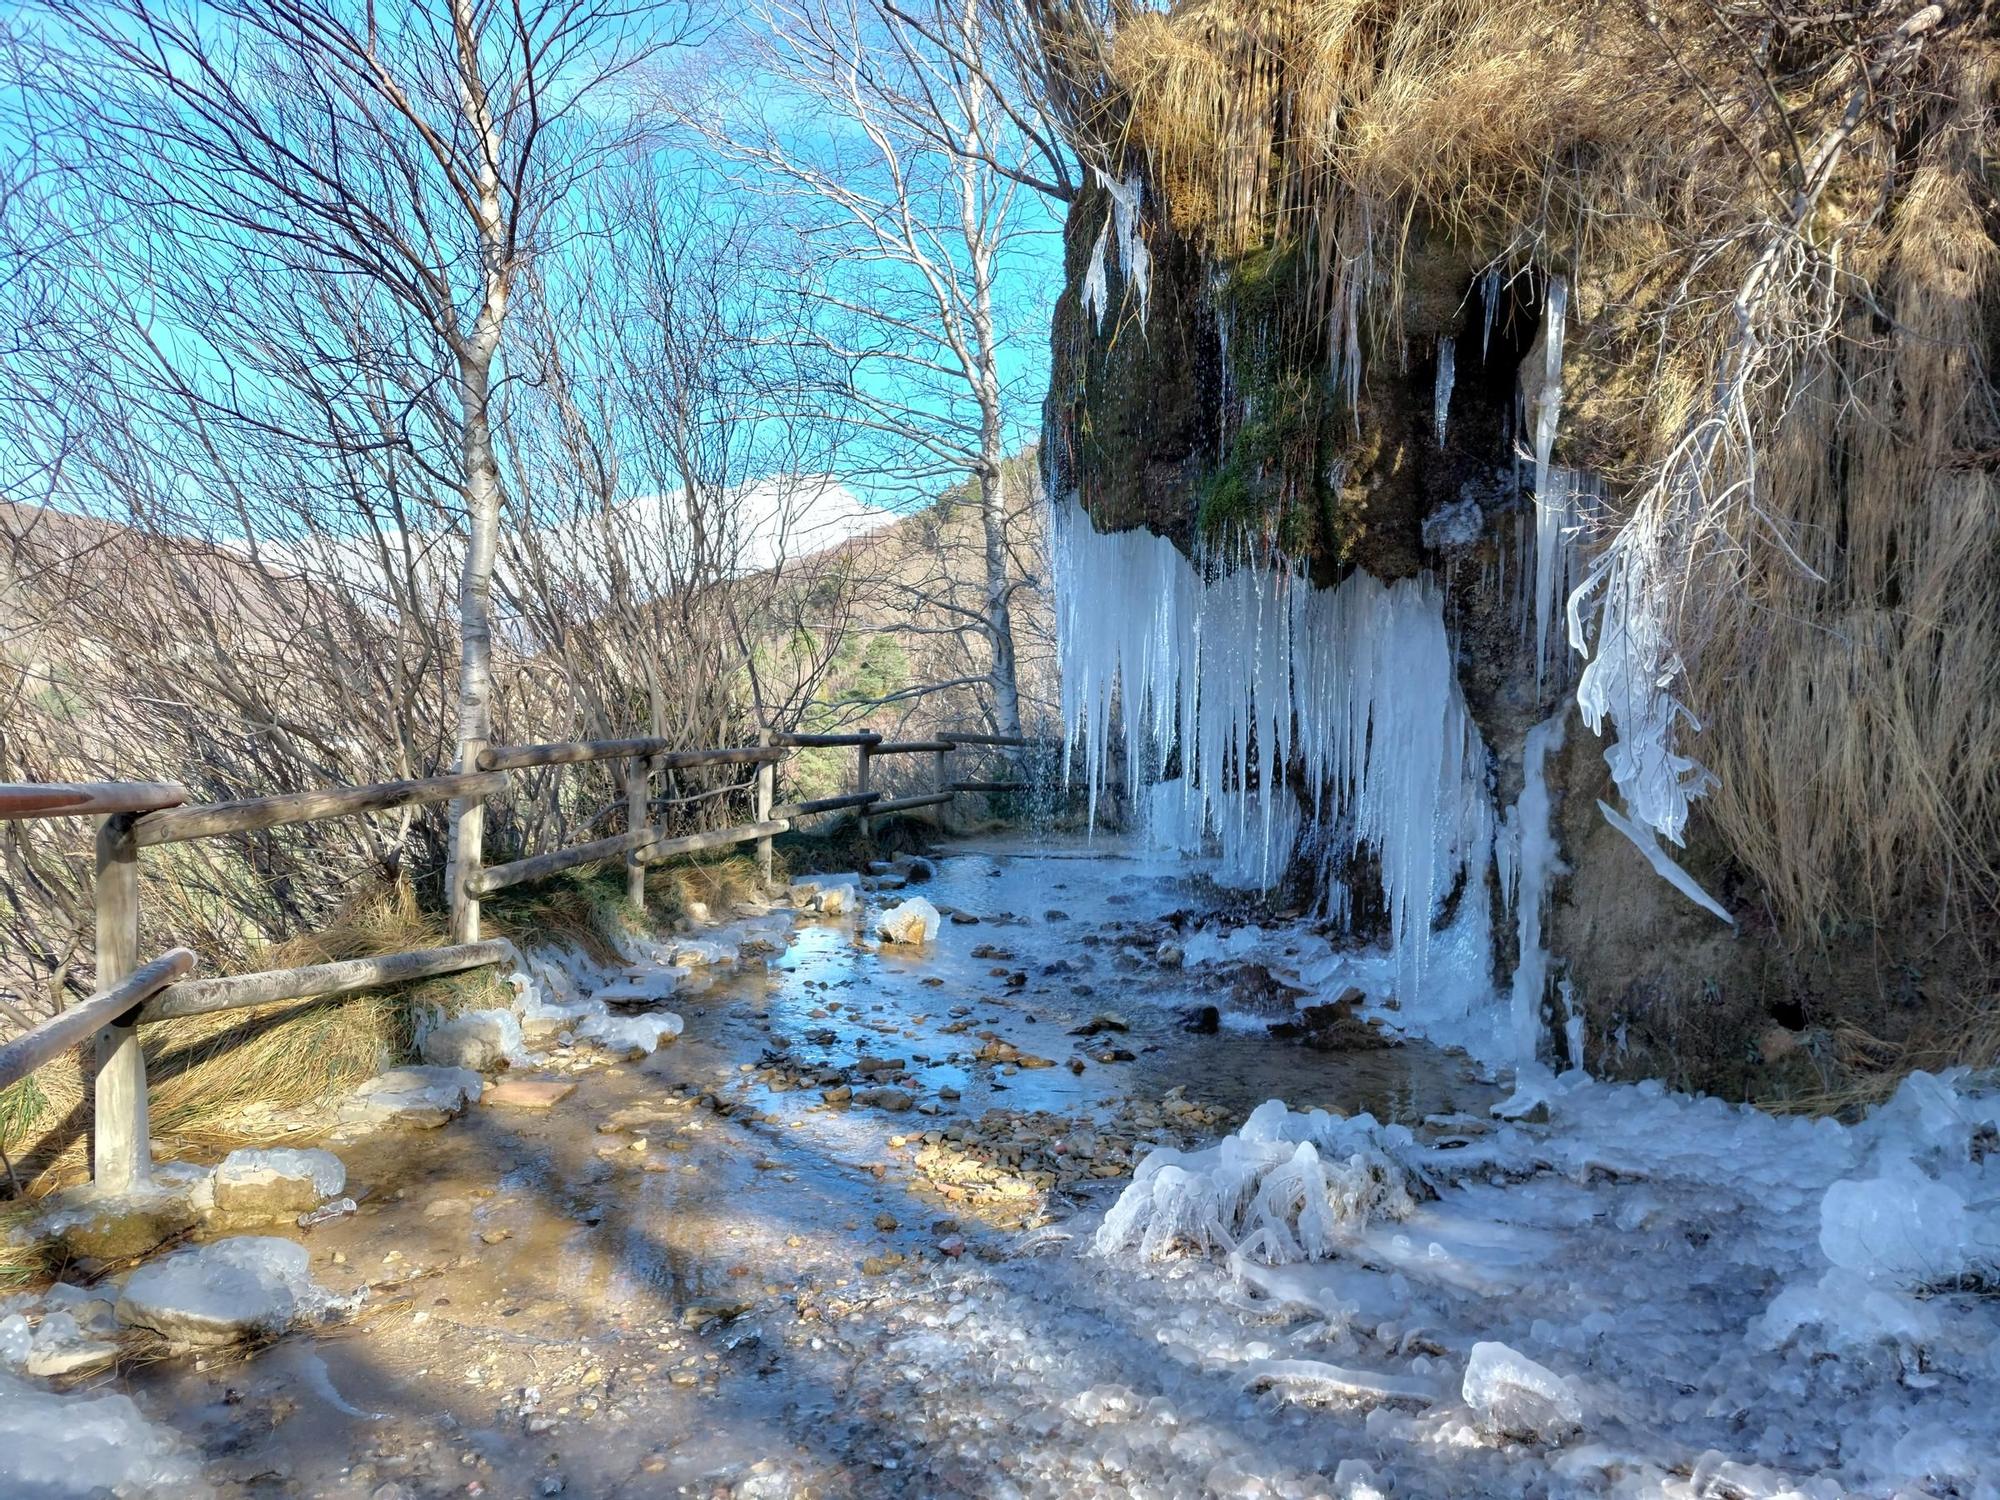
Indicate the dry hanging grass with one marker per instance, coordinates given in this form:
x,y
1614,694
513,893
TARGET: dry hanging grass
x,y
1779,221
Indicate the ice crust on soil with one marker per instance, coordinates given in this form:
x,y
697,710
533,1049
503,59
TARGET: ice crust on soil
x,y
61,1446
1661,1285
225,1291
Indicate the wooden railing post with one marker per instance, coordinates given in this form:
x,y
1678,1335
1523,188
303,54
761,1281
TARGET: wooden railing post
x,y
767,794
121,1151
468,836
638,818
863,758
942,783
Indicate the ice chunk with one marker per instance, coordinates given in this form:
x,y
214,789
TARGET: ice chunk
x,y
914,921
1515,1397
426,1097
1315,1380
279,1181
641,1034
224,1292
1850,1312
71,1447
1287,1187
1900,1226
479,1039
16,1338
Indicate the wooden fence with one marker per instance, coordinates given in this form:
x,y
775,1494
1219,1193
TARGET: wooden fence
x,y
136,815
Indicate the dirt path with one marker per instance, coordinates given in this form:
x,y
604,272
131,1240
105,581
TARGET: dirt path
x,y
697,1276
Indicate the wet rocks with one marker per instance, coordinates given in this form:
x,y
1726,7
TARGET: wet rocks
x,y
92,1225
1101,1022
1202,1020
528,1093
421,1097
1257,990
480,1040
641,991
893,1100
278,1183
222,1293
1335,1027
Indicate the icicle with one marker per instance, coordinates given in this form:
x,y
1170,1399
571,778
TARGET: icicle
x,y
1134,259
1630,661
1548,400
1643,840
1096,283
1538,863
1573,1028
1554,488
1447,368
1232,665
1489,288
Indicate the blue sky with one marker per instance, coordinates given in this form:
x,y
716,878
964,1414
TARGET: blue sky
x,y
1030,278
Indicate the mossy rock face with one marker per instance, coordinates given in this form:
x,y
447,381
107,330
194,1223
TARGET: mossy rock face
x,y
1130,425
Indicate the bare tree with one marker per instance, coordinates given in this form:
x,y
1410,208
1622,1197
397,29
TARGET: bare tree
x,y
905,214
409,155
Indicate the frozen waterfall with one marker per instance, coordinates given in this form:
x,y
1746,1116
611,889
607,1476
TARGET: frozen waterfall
x,y
1288,710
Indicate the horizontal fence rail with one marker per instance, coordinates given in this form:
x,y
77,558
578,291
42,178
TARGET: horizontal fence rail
x,y
86,798
520,757
198,997
824,804
715,838
82,1021
183,823
136,815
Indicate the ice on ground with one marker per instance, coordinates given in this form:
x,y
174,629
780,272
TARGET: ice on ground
x,y
914,921
56,1447
1779,1306
1518,1398
226,1291
481,1040
425,1097
1286,1187
277,1180
631,1034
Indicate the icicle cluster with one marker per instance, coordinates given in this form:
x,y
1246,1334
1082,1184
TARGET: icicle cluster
x,y
1630,657
1285,1188
1134,259
1287,705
